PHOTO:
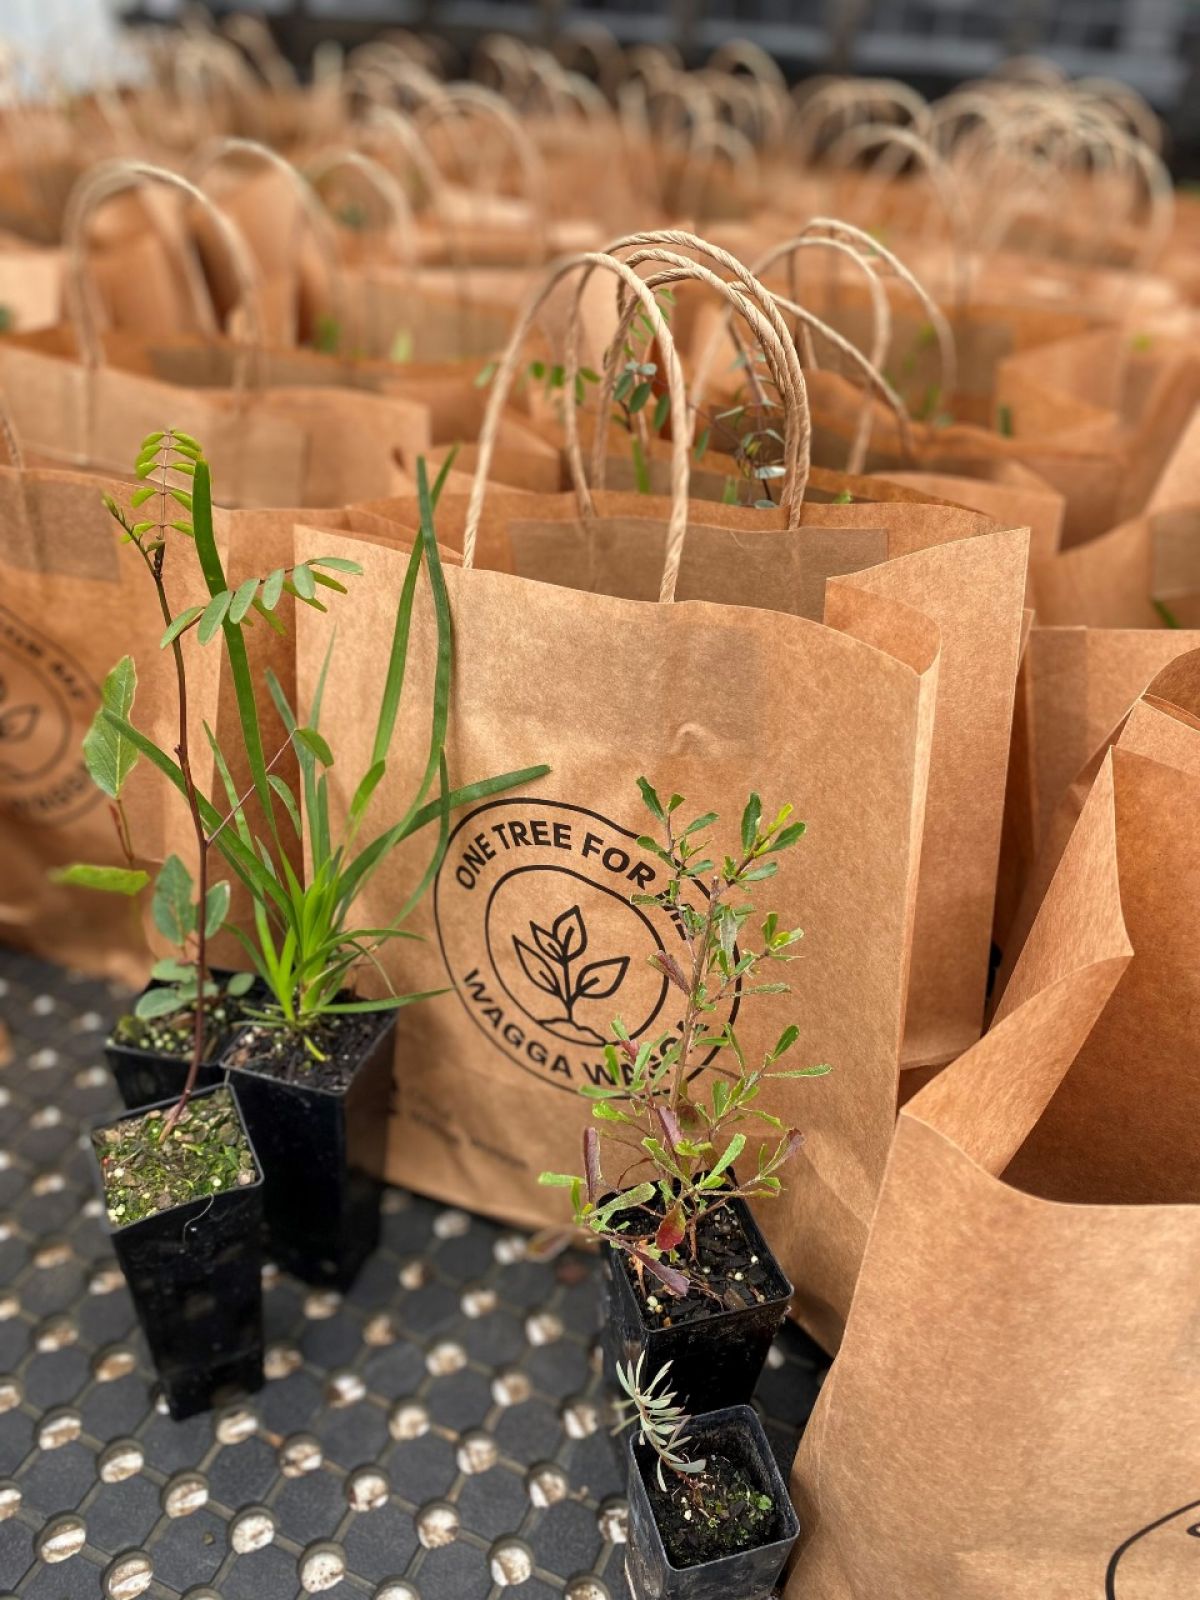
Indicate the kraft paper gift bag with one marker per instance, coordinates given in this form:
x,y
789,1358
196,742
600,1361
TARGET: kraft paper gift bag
x,y
1012,1414
690,694
74,602
971,584
70,407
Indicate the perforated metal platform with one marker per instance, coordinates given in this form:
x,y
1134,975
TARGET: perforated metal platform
x,y
435,1435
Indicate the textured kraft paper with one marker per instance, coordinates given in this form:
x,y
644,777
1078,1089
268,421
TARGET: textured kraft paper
x,y
283,445
1112,581
1012,1415
952,565
1173,693
697,697
74,602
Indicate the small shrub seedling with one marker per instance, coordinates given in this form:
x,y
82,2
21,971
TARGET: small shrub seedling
x,y
656,1112
705,1507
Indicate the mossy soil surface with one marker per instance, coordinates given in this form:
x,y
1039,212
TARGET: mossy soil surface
x,y
173,1036
718,1512
205,1153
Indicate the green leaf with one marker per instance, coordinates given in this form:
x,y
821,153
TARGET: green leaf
x,y
787,836
313,741
327,582
766,869
215,613
366,789
112,880
302,577
556,1180
337,564
701,444
726,1159
159,1003
172,908
242,599
662,411
786,1040
289,801
818,1071
273,588
239,984
269,617
216,908
650,796
108,755
751,818
182,621
640,396
140,496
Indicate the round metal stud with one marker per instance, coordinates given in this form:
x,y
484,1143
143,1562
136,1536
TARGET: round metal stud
x,y
546,1484
477,1452
299,1454
511,1562
128,1576
236,1424
185,1493
446,1357
113,1362
367,1489
613,1520
61,1538
322,1566
396,1589
414,1274
437,1524
408,1419
586,1587
344,1388
252,1529
580,1416
124,1458
543,1328
280,1360
479,1302
59,1428
10,1499
381,1330
321,1304
511,1386
451,1224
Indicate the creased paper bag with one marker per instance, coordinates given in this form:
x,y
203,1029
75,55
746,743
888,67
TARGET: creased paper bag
x,y
1012,1413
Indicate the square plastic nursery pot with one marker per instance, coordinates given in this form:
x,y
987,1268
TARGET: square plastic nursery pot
x,y
195,1274
322,1151
717,1358
751,1574
144,1077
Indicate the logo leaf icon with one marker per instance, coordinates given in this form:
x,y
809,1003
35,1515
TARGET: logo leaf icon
x,y
571,934
599,979
546,942
540,974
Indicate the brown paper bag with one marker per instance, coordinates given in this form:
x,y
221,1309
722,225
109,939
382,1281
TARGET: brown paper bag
x,y
74,603
1042,1198
604,689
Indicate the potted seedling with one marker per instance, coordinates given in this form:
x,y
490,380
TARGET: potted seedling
x,y
313,1061
701,1527
312,1056
181,1184
690,1280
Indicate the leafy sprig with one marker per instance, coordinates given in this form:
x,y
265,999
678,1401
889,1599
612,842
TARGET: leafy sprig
x,y
661,1421
652,1106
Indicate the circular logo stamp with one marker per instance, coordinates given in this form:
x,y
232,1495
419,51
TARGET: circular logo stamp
x,y
542,941
47,702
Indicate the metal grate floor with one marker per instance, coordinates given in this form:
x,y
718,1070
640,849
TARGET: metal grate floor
x,y
437,1434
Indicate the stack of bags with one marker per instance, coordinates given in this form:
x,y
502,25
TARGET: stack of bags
x,y
830,444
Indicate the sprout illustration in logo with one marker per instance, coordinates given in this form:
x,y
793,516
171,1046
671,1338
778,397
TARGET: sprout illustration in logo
x,y
553,968
17,724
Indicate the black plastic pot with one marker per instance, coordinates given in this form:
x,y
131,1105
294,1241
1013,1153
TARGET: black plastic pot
x,y
715,1359
752,1574
322,1152
195,1274
144,1077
